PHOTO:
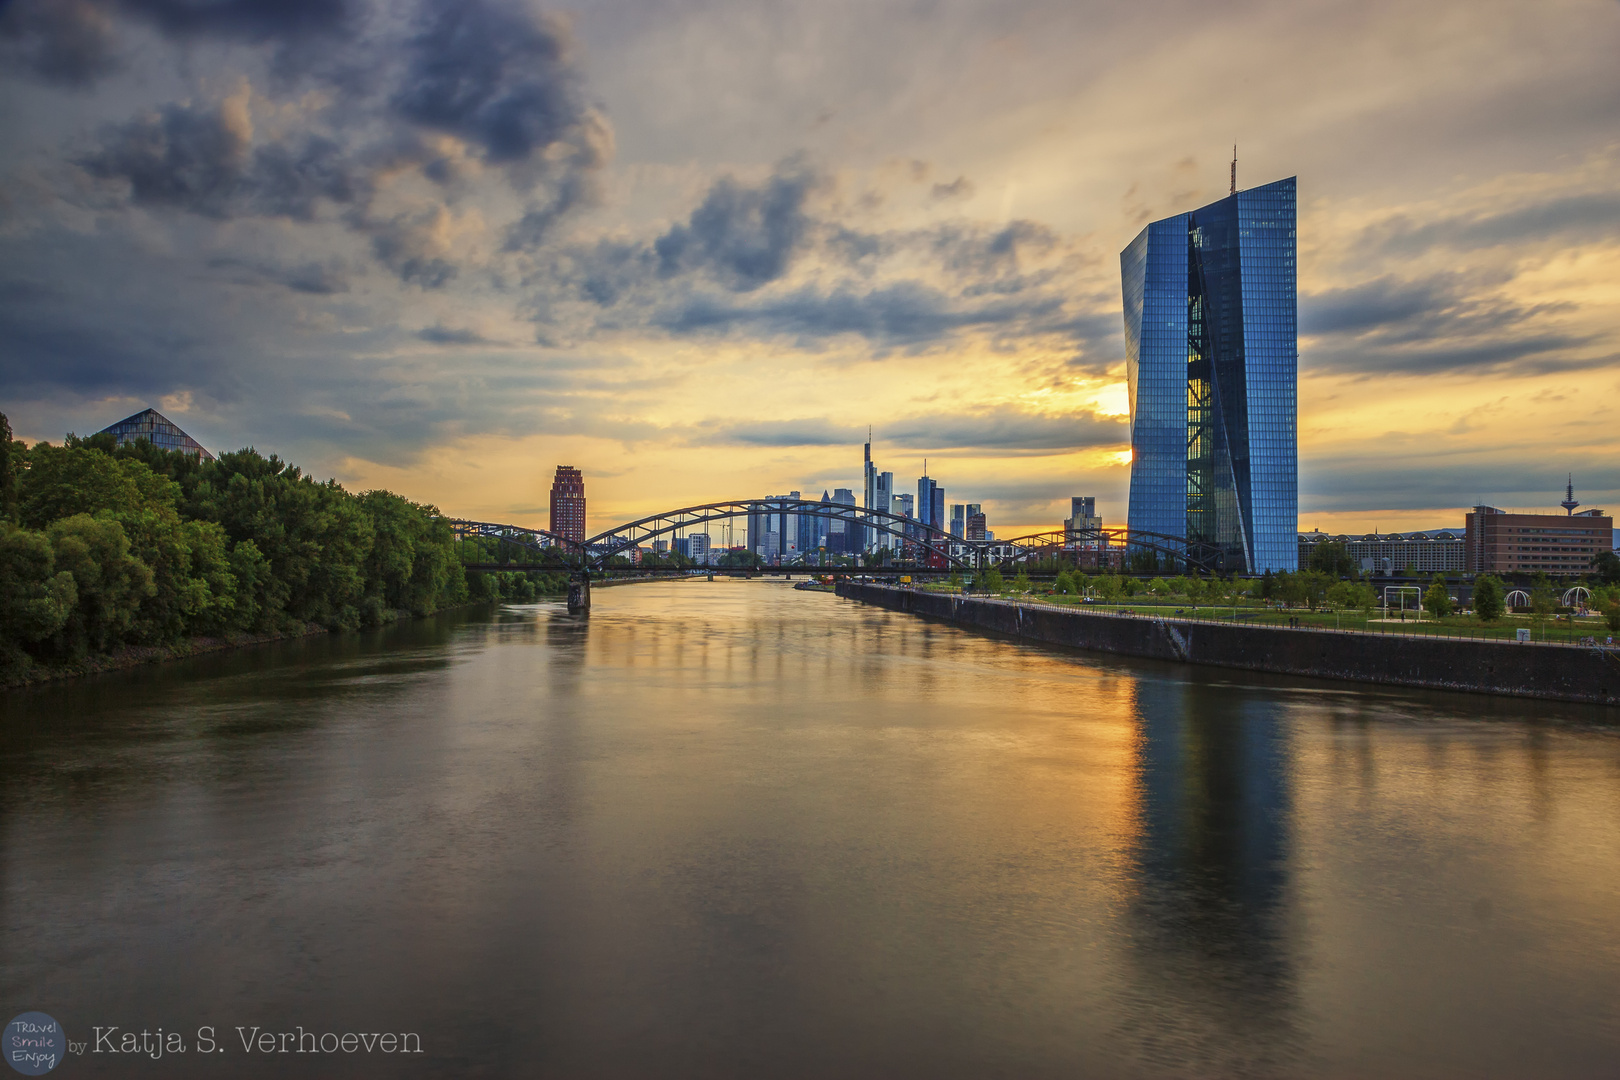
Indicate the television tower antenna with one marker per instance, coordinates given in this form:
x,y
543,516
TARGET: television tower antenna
x,y
1569,504
1234,169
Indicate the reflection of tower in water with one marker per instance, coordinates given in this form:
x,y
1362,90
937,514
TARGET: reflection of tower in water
x,y
1208,914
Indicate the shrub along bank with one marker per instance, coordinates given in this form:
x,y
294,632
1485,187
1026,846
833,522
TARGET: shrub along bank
x,y
107,549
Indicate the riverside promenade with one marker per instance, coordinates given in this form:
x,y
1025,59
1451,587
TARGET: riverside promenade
x,y
1554,672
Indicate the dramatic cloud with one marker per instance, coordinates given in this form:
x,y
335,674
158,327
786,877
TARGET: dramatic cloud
x,y
699,248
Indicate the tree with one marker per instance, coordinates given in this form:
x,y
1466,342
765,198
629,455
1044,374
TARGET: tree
x,y
1606,563
10,450
36,600
1437,601
1333,558
1611,617
1268,586
1489,603
1543,597
111,582
1021,584
1064,585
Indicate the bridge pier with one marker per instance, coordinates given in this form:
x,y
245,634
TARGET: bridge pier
x,y
579,596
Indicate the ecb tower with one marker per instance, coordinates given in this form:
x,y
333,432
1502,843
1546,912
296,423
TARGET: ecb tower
x,y
1212,356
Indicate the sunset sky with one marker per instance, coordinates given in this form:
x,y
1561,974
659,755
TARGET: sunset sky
x,y
696,248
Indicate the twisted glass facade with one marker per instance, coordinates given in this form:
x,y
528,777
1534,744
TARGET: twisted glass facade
x,y
1211,354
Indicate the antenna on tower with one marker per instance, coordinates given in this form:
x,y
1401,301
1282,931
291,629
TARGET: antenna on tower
x,y
1234,168
1569,504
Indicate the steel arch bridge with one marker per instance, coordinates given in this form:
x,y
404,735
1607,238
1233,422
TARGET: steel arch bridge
x,y
494,543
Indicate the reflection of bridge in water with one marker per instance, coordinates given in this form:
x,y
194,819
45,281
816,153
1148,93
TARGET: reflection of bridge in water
x,y
918,548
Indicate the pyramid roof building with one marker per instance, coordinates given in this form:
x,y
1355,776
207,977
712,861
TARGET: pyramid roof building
x,y
158,430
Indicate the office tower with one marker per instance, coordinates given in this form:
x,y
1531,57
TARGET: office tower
x,y
882,493
1082,516
1211,354
157,429
970,509
958,520
975,527
568,503
773,533
698,547
930,501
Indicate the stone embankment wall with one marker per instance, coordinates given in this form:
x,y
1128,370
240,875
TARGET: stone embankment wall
x,y
1556,672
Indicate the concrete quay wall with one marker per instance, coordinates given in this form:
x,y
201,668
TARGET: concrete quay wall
x,y
1553,672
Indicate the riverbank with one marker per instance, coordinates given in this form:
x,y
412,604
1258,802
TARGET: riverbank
x,y
1533,670
32,672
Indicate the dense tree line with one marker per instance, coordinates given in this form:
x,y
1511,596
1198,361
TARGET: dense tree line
x,y
104,545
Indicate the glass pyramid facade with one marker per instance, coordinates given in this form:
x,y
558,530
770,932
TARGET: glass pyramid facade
x,y
1212,358
158,430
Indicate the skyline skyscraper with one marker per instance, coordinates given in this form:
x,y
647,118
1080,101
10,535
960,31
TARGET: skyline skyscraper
x,y
568,503
1212,356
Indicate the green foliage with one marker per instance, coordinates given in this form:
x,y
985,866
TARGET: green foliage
x,y
1489,598
110,581
1268,586
1305,587
128,544
1064,585
1437,601
1110,587
1158,587
1543,596
955,580
10,465
1021,584
1333,558
1611,617
1606,563
988,580
35,599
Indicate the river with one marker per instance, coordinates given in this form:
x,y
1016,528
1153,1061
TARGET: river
x,y
728,829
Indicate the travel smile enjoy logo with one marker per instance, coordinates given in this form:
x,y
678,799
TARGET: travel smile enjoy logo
x,y
33,1043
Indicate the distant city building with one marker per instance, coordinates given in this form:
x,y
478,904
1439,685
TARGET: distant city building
x,y
879,490
1211,360
774,535
975,527
930,501
958,520
1082,516
568,503
1499,542
697,547
157,429
1432,551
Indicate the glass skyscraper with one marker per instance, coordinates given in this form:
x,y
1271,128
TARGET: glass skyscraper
x,y
1212,356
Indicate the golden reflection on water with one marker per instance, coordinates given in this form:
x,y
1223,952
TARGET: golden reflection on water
x,y
727,829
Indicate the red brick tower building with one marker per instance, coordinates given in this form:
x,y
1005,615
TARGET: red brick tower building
x,y
568,503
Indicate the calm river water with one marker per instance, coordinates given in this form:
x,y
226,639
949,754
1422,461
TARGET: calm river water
x,y
732,830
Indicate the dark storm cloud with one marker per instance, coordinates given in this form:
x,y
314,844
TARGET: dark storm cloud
x,y
1002,430
766,259
76,42
906,313
313,278
201,160
1505,477
445,335
1372,305
744,237
494,75
246,20
1585,215
1009,430
498,77
1441,323
184,157
66,42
